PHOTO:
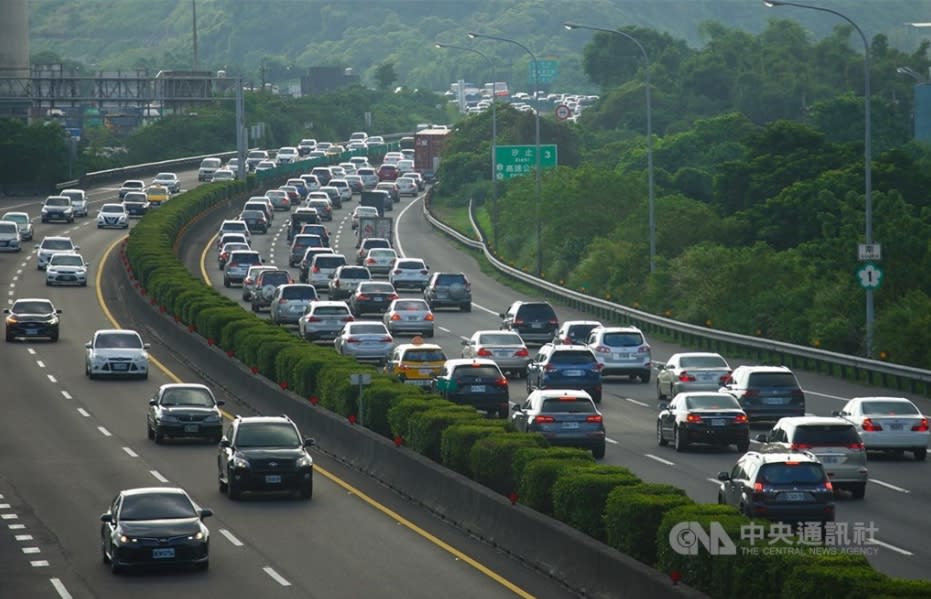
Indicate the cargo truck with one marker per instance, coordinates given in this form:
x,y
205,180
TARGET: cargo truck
x,y
377,198
428,145
375,226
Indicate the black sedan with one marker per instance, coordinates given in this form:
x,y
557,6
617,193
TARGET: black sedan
x,y
703,417
255,220
372,296
184,410
32,318
154,526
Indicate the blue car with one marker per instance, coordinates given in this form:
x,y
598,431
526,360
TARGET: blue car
x,y
565,367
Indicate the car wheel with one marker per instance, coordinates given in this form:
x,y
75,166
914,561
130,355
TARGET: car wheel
x,y
232,489
645,376
149,432
54,336
429,333
466,307
158,437
660,439
114,567
679,440
10,338
222,485
720,499
255,307
920,453
103,553
660,396
858,490
598,452
308,491
226,282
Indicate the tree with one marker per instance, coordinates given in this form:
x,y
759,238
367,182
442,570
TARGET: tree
x,y
385,75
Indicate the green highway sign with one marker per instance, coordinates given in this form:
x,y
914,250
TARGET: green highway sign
x,y
546,70
870,276
516,161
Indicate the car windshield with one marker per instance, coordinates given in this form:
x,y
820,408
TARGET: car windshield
x,y
57,244
111,208
157,506
267,434
826,434
187,397
500,339
712,402
623,339
7,227
424,355
406,305
567,405
772,379
572,357
482,371
17,218
57,202
118,341
65,260
32,307
792,474
702,362
303,292
889,408
368,329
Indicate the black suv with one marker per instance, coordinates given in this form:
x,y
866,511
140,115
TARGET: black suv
x,y
790,487
535,322
565,367
449,289
265,453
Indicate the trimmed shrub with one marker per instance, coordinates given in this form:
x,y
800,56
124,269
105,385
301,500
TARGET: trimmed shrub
x,y
579,497
822,580
306,371
287,359
183,298
524,456
379,397
456,442
209,322
535,488
267,357
236,332
633,515
426,428
490,458
248,350
198,303
399,415
900,588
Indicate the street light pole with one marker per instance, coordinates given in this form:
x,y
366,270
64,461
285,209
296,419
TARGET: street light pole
x,y
494,135
194,25
650,184
867,150
536,112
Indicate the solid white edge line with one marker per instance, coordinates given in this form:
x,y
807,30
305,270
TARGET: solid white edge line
x,y
634,401
875,541
889,485
659,459
276,576
158,476
611,441
231,538
59,587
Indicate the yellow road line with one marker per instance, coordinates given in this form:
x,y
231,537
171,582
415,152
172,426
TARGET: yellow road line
x,y
329,475
203,261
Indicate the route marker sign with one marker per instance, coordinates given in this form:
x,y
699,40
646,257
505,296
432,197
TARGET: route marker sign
x,y
870,276
516,161
563,112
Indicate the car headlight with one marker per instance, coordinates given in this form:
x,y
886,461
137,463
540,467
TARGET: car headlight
x,y
53,320
196,536
304,462
125,539
44,210
212,418
167,418
11,320
240,462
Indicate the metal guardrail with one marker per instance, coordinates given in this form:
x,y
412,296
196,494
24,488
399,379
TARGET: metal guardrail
x,y
887,374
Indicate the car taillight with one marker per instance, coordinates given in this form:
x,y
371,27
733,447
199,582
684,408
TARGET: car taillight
x,y
693,418
282,301
740,419
757,487
828,486
725,378
553,321
522,353
397,271
429,317
643,349
313,319
484,353
353,340
603,349
336,281
370,261
685,377
518,321
348,319
395,317
869,425
799,446
541,419
855,446
501,381
393,297
363,297
751,394
921,427
549,368
248,281
593,418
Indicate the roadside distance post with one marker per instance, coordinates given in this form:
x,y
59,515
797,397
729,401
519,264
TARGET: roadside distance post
x,y
361,380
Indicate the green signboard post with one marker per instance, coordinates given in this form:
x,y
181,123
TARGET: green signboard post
x,y
515,161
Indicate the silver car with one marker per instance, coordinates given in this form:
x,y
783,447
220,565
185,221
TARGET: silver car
x,y
322,267
238,264
380,261
345,191
364,340
411,273
66,268
692,371
506,348
410,316
323,320
78,200
345,280
53,245
22,221
279,199
169,180
289,302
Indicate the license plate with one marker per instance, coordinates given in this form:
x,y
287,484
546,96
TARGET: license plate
x,y
426,371
829,459
794,496
379,299
717,422
778,401
120,366
706,377
191,428
477,388
164,553
573,373
619,356
32,331
272,478
412,318
536,325
570,425
895,427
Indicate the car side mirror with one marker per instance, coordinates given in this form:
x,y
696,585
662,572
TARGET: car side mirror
x,y
220,402
501,314
206,513
465,342
309,442
59,311
225,443
108,517
77,247
153,402
836,413
724,476
87,345
516,408
6,311
761,438
146,345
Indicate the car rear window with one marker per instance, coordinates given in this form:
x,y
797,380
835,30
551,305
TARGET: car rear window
x,y
333,261
574,405
889,408
299,293
468,372
536,312
581,331
787,474
424,355
572,357
712,402
826,434
702,362
500,339
56,244
411,305
772,379
411,265
369,244
355,273
368,329
623,339
376,288
450,279
245,258
331,311
274,278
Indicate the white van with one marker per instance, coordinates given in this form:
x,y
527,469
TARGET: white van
x,y
208,166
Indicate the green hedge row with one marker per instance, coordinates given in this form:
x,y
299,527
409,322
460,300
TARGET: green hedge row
x,y
607,502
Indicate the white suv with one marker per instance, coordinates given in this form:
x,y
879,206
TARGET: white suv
x,y
622,351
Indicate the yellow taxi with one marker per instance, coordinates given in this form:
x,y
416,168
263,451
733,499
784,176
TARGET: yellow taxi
x,y
416,363
157,195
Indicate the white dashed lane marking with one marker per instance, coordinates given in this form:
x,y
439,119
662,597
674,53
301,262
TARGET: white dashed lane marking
x,y
59,587
158,476
659,459
65,394
83,412
23,537
130,452
635,402
40,363
39,563
52,378
276,576
231,538
104,432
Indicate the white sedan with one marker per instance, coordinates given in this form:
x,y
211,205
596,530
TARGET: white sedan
x,y
112,216
888,424
116,353
169,180
66,268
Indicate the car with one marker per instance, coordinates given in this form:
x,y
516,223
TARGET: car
x,y
323,320
416,363
116,353
476,382
310,182
703,417
786,487
294,195
255,220
279,199
169,180
304,268
622,351
566,417
565,367
358,136
405,165
355,182
371,296
233,165
362,211
345,279
364,340
262,205
321,202
299,244
57,208
66,268
227,249
359,162
248,282
112,216
131,185
187,410
208,166
370,243
321,269
11,240
78,200
225,238
409,316
410,273
534,321
418,179
891,424
407,186
392,189
323,174
380,260
254,157
691,371
52,245
368,175
234,226
345,190
265,284
449,289
157,195
575,332
154,526
300,217
223,174
306,146
506,348
392,157
316,229
287,155
32,318
136,203
833,440
300,185
387,172
238,265
766,393
289,301
265,165
23,222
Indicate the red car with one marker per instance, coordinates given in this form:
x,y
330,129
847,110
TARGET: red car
x,y
387,172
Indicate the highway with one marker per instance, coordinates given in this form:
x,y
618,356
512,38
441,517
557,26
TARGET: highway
x,y
899,489
69,444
